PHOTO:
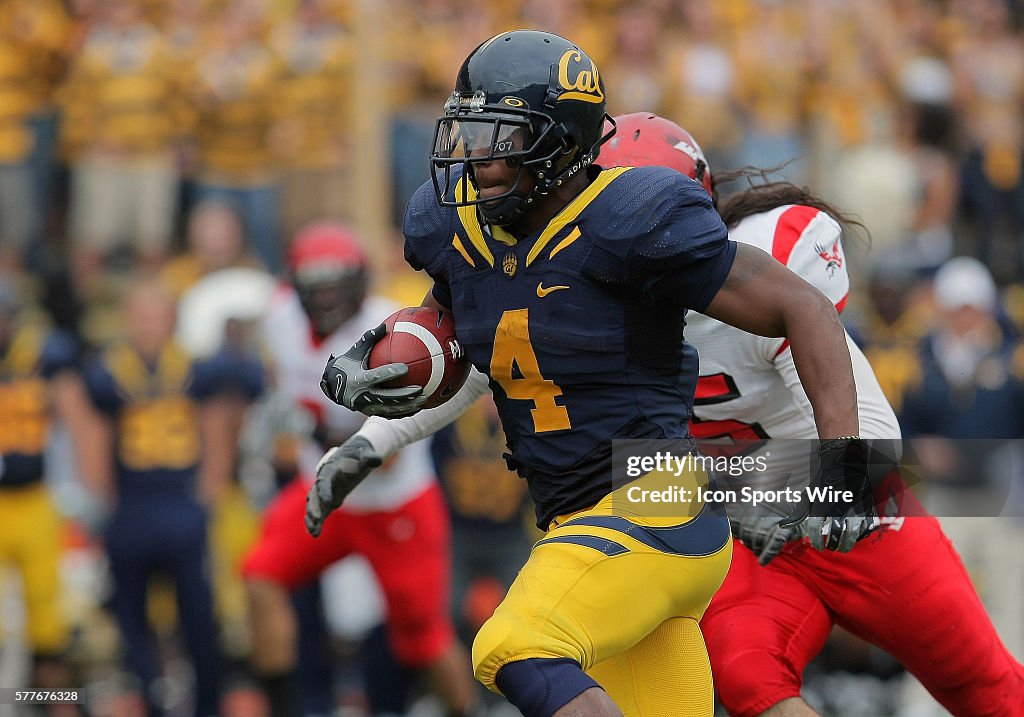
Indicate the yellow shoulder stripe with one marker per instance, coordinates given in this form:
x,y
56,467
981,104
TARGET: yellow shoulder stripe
x,y
503,236
573,210
23,356
127,369
175,368
136,380
573,236
457,243
471,223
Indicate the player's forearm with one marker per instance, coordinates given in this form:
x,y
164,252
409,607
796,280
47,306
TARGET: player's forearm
x,y
94,452
818,342
389,435
763,297
92,434
221,422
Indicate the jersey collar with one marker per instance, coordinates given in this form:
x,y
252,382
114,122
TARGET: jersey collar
x,y
478,233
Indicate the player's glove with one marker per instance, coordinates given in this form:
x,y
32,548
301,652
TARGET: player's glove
x,y
764,535
833,523
340,470
348,382
839,534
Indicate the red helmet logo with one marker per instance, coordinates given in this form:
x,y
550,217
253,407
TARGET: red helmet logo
x,y
833,257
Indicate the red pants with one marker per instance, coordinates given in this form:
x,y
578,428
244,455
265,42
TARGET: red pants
x,y
407,548
903,589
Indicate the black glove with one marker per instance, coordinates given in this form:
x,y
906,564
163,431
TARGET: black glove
x,y
764,535
348,382
340,470
830,522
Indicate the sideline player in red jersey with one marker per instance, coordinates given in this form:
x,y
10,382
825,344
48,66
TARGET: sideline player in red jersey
x,y
902,587
514,210
398,521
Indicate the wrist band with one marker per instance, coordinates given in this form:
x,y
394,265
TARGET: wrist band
x,y
830,443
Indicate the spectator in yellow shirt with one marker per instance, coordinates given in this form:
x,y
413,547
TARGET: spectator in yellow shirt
x,y
311,139
30,39
988,70
40,34
236,92
122,121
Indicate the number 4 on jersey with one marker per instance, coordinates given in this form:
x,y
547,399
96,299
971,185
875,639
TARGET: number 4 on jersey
x,y
512,347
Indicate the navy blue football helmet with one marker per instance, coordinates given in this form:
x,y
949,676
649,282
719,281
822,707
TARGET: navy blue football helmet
x,y
530,98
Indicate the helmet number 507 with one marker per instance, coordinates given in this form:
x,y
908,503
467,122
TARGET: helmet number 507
x,y
514,367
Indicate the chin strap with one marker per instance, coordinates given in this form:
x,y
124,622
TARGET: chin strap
x,y
507,211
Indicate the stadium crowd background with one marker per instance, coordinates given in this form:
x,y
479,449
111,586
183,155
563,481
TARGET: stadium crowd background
x,y
166,140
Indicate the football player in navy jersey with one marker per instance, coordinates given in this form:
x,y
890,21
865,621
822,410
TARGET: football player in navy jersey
x,y
569,285
39,382
161,450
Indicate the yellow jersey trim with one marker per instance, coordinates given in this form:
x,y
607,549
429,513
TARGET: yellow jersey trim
x,y
571,211
135,380
468,217
573,236
22,359
457,243
503,236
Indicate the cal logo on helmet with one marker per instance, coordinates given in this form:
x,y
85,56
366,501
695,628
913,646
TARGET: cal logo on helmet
x,y
580,82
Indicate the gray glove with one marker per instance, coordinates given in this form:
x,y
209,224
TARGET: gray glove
x,y
763,535
348,382
843,465
839,534
340,470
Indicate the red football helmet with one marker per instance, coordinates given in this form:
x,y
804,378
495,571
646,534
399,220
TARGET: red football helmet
x,y
644,139
329,272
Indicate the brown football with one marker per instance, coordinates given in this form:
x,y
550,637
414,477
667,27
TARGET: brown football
x,y
423,339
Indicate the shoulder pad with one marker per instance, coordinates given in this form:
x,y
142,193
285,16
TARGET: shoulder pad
x,y
427,226
806,240
638,202
60,352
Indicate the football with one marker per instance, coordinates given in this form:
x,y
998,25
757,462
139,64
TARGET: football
x,y
424,339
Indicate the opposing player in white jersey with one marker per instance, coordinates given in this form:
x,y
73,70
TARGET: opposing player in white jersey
x,y
748,388
902,586
752,376
397,520
897,583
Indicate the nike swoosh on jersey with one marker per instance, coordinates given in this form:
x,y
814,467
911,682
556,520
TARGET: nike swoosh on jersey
x,y
542,292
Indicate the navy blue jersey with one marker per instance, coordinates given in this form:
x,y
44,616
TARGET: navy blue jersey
x,y
26,364
155,407
580,326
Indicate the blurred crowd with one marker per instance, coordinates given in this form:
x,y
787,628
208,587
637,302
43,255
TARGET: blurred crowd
x,y
147,146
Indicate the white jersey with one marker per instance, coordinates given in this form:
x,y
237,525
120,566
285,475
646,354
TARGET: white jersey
x,y
297,364
748,385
